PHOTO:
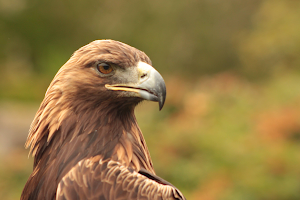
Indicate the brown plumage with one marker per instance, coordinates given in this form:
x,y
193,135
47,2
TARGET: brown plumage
x,y
85,138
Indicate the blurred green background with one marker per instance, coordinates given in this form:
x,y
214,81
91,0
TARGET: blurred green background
x,y
230,128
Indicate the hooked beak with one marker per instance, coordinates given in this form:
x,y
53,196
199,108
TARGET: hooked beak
x,y
150,86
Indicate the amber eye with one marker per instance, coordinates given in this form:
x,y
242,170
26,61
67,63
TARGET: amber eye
x,y
104,68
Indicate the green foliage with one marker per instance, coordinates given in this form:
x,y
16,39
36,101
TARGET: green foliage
x,y
272,45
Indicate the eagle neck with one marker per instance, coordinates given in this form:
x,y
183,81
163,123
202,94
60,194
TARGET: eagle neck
x,y
127,143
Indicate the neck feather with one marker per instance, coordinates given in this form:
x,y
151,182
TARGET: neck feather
x,y
107,130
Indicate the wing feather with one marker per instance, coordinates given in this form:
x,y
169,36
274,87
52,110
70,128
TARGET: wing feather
x,y
108,180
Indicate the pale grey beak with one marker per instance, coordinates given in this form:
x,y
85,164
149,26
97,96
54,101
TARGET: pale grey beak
x,y
150,86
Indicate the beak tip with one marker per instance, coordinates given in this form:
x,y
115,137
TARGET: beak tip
x,y
162,99
160,106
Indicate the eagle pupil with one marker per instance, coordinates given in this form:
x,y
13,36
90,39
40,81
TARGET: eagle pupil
x,y
106,67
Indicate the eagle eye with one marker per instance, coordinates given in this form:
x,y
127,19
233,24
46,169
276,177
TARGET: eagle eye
x,y
104,68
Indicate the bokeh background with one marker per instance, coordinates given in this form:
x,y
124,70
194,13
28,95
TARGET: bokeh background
x,y
230,128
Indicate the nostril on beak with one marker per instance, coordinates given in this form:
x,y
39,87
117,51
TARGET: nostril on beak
x,y
144,75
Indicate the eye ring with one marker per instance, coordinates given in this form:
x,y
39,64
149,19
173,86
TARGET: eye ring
x,y
104,68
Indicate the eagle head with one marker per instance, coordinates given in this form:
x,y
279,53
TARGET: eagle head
x,y
100,84
108,71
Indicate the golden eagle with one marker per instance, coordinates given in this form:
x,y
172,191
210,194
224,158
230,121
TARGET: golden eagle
x,y
85,138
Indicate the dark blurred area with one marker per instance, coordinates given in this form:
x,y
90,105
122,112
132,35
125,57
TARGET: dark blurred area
x,y
230,128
